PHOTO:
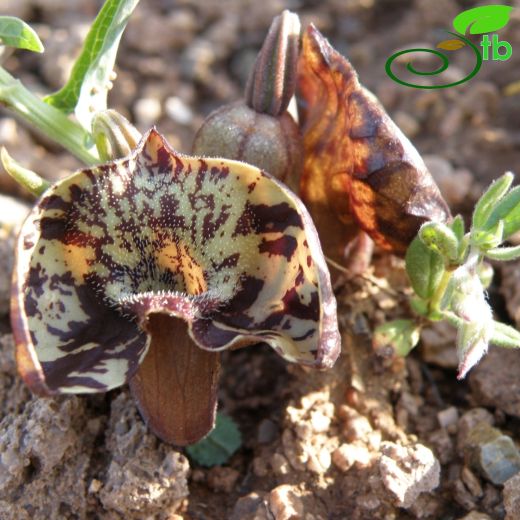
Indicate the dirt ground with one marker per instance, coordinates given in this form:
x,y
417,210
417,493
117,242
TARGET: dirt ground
x,y
376,437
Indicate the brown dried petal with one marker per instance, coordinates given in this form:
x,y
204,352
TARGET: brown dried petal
x,y
357,162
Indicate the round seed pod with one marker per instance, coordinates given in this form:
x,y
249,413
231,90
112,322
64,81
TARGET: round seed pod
x,y
238,132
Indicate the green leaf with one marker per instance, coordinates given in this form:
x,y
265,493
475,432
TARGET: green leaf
x,y
26,178
503,253
457,226
508,210
484,19
505,336
401,335
441,239
488,201
486,239
219,445
16,33
424,268
86,90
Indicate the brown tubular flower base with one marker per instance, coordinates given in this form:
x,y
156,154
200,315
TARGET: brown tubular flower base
x,y
176,384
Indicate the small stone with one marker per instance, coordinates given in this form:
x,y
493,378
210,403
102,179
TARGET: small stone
x,y
471,482
250,507
491,453
408,471
267,431
512,497
437,345
468,421
448,416
319,462
285,504
260,467
320,423
95,486
147,111
477,515
494,382
178,110
344,457
280,464
222,479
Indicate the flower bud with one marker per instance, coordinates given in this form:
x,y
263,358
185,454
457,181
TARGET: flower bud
x,y
259,130
237,132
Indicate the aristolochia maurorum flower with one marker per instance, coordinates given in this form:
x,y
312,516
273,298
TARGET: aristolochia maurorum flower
x,y
144,268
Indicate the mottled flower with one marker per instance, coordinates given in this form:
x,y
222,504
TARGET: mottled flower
x,y
144,268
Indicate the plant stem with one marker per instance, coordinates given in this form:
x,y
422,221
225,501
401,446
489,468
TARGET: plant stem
x,y
47,119
435,302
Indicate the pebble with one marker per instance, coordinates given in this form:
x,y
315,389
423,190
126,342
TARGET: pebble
x,y
448,417
285,504
147,111
468,421
477,515
491,453
222,479
494,382
280,464
437,345
267,431
178,110
408,471
511,495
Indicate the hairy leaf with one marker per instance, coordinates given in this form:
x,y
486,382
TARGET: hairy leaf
x,y
86,90
359,169
401,335
16,33
424,267
489,200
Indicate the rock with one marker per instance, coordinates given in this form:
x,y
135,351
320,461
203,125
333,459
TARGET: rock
x,y
468,421
448,417
178,110
285,503
511,495
476,515
145,477
491,453
438,344
267,431
45,447
510,288
348,455
250,507
494,382
408,471
147,111
222,479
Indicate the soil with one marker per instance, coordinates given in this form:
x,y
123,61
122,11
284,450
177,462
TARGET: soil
x,y
375,437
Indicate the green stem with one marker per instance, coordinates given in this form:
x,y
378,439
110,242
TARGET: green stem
x,y
46,118
435,302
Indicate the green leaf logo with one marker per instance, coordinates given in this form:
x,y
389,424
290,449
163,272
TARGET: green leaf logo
x,y
484,19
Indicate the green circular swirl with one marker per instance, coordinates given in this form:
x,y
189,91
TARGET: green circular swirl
x,y
441,68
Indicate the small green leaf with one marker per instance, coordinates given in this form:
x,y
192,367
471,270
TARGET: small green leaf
x,y
16,33
484,19
488,239
441,239
505,336
424,268
219,445
488,201
401,335
503,253
86,90
26,178
508,210
457,226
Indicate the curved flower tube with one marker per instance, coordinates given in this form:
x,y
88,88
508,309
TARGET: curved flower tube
x,y
359,169
144,268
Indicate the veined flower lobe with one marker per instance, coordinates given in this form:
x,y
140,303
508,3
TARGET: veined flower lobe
x,y
114,257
